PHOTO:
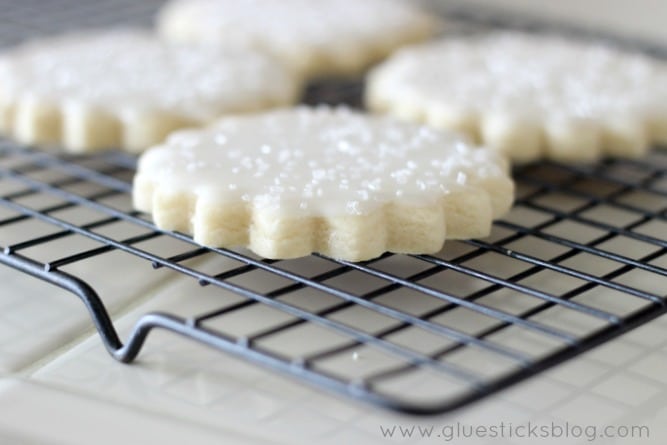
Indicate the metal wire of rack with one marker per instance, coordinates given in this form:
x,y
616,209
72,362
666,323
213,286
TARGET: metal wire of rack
x,y
580,260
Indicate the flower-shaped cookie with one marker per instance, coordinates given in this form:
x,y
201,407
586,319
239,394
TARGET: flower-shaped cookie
x,y
290,182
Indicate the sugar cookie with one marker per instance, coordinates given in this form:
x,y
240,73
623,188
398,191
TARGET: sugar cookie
x,y
529,96
125,88
289,182
316,38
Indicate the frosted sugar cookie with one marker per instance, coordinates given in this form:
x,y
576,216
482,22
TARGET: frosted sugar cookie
x,y
316,38
125,88
529,96
290,182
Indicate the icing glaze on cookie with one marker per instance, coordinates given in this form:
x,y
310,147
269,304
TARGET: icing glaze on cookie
x,y
319,161
126,71
314,37
528,75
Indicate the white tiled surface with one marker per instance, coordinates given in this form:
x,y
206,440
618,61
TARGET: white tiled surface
x,y
178,389
35,413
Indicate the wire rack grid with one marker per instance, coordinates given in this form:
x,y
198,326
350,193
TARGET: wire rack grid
x,y
581,259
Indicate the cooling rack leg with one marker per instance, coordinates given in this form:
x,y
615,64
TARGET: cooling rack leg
x,y
76,286
147,323
98,312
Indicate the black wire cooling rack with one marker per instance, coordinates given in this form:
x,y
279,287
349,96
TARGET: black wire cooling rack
x,y
581,259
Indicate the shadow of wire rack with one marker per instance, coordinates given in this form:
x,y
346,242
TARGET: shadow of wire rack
x,y
581,259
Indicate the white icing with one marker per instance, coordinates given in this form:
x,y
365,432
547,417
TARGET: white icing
x,y
528,75
295,27
319,161
128,70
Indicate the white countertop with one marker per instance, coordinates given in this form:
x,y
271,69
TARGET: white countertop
x,y
60,386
